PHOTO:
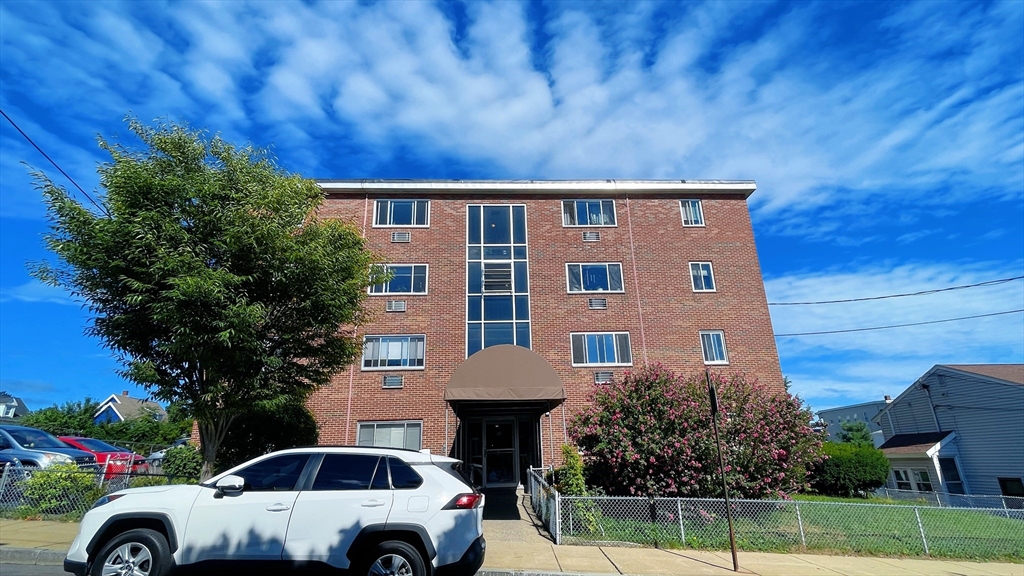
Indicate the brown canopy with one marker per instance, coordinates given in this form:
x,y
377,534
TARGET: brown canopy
x,y
505,372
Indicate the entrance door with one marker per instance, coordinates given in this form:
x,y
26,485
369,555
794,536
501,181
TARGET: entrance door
x,y
501,458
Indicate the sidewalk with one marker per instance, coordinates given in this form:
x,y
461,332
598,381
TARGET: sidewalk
x,y
32,542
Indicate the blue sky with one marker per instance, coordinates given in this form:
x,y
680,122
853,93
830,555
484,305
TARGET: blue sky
x,y
887,141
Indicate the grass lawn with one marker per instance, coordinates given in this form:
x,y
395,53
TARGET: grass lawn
x,y
772,526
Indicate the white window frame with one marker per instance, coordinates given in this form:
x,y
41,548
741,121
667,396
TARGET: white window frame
x,y
902,475
375,423
614,335
700,211
568,285
615,213
368,337
386,292
711,273
916,475
725,348
376,202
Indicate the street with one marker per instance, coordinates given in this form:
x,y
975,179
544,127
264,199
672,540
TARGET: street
x,y
30,570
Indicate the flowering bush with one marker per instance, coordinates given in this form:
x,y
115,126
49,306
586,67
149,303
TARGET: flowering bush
x,y
651,434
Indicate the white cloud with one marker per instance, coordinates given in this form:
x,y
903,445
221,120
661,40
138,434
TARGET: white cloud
x,y
37,292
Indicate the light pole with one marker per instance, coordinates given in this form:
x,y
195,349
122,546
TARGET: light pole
x,y
713,394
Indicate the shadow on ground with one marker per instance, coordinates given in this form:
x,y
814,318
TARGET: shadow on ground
x,y
501,504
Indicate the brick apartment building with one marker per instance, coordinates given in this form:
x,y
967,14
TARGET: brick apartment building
x,y
512,301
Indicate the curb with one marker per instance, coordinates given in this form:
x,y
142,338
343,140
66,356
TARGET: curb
x,y
37,556
501,572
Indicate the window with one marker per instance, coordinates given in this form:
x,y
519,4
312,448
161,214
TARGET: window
x,y
703,278
403,477
391,434
712,343
405,279
351,472
601,349
902,479
273,474
693,214
588,213
497,276
951,476
923,481
393,352
402,213
594,277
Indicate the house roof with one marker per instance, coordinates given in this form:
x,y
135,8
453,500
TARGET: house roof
x,y
1010,372
128,407
743,188
20,409
913,443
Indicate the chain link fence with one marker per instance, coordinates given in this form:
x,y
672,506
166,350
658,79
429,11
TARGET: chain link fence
x,y
946,500
62,492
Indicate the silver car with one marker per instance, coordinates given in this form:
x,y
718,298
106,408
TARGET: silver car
x,y
41,449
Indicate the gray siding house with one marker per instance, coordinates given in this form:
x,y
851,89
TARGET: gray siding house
x,y
958,429
864,412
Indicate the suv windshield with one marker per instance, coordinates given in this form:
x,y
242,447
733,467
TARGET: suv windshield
x,y
35,439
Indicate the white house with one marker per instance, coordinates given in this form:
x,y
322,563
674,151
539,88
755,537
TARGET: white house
x,y
958,429
863,412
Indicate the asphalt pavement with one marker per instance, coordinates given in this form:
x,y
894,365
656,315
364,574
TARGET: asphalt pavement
x,y
30,570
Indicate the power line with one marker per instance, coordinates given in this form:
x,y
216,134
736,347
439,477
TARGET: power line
x,y
900,325
922,293
61,170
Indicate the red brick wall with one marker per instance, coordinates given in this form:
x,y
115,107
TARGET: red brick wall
x,y
649,227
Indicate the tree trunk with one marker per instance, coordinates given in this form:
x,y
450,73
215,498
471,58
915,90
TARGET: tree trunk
x,y
211,434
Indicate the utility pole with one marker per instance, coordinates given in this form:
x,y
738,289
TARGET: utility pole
x,y
713,394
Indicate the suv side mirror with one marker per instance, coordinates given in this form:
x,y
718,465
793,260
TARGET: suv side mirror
x,y
230,484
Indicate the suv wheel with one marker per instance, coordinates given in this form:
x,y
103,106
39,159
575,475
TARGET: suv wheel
x,y
394,558
139,552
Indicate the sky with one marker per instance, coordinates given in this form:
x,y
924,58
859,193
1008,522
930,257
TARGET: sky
x,y
886,140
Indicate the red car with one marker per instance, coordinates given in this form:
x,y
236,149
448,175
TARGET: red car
x,y
111,459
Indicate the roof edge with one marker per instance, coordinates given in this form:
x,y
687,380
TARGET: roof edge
x,y
602,187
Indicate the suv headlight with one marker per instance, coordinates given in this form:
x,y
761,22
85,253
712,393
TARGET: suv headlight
x,y
55,458
106,500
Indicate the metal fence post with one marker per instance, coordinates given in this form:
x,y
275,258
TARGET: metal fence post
x,y
1006,510
920,527
3,481
800,523
679,511
556,518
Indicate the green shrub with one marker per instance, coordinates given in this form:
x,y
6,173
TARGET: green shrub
x,y
144,481
264,430
849,470
60,489
183,461
570,477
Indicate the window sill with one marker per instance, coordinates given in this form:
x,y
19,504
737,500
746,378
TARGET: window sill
x,y
590,225
695,225
420,226
717,363
392,368
390,294
602,365
593,292
705,291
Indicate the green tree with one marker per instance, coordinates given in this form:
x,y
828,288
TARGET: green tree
x,y
76,419
265,430
849,470
70,419
856,433
210,275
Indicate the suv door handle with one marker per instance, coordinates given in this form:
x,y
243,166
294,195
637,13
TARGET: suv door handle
x,y
372,503
277,507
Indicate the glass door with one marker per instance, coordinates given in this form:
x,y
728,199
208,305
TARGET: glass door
x,y
500,456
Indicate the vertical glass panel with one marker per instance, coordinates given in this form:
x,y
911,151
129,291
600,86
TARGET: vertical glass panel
x,y
594,213
365,435
419,279
519,224
519,252
622,345
412,436
382,213
474,224
579,355
421,212
401,279
401,212
581,213
595,277
474,279
497,307
497,225
709,280
609,347
575,280
473,309
473,339
608,210
594,349
523,334
568,213
474,253
498,333
522,307
615,277
695,275
522,284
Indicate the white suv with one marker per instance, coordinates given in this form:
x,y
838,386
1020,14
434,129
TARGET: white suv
x,y
367,511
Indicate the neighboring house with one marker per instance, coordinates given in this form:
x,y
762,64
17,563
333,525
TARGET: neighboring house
x,y
511,302
120,408
864,412
12,407
959,429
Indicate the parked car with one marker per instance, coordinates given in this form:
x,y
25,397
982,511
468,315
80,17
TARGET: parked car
x,y
112,459
156,459
41,449
8,460
370,511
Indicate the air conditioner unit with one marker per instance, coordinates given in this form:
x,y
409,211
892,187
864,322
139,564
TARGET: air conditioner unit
x,y
394,381
591,236
396,306
603,377
597,303
401,236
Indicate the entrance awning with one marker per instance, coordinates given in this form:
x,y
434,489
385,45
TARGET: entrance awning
x,y
502,373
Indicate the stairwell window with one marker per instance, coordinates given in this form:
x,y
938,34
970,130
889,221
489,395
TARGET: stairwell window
x,y
588,213
401,213
601,349
702,276
604,277
393,352
693,213
405,279
712,343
